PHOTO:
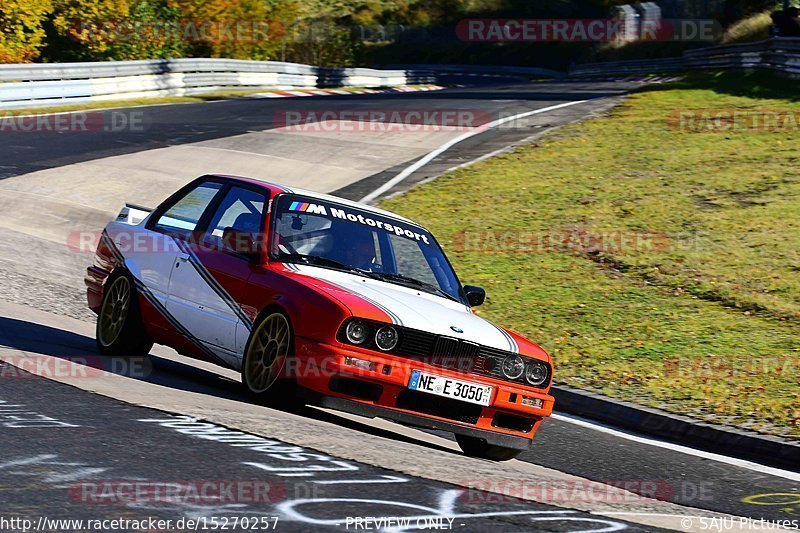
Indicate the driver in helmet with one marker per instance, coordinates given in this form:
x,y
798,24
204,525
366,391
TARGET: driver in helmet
x,y
357,248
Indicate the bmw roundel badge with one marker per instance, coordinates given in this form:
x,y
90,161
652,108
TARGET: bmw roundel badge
x,y
457,329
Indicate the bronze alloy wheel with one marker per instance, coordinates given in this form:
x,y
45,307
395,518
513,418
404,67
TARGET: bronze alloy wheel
x,y
266,353
114,312
120,331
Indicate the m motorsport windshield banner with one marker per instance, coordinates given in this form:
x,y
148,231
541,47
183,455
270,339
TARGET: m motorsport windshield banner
x,y
356,216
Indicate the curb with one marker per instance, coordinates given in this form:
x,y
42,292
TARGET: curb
x,y
294,93
652,78
731,442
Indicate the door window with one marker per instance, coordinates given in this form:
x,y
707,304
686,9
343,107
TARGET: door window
x,y
237,225
185,213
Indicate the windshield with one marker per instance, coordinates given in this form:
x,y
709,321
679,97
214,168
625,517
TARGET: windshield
x,y
330,235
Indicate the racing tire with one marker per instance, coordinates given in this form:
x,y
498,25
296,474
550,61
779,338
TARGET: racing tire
x,y
475,447
120,331
270,345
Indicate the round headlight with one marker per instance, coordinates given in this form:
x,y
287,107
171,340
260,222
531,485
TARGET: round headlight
x,y
357,332
536,374
386,338
513,366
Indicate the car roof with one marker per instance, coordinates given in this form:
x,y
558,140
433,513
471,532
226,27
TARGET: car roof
x,y
316,195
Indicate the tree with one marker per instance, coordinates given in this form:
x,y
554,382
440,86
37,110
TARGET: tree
x,y
21,32
96,25
150,31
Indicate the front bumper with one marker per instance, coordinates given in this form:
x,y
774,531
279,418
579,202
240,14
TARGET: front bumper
x,y
382,391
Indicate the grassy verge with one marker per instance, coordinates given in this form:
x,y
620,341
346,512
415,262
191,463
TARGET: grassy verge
x,y
656,263
753,28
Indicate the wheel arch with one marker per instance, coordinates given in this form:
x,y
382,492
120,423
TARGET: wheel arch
x,y
269,309
311,313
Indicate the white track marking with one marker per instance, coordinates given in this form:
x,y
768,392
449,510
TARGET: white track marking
x,y
484,157
382,479
503,150
446,146
755,467
741,463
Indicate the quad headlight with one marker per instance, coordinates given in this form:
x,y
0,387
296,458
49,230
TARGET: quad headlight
x,y
357,332
513,367
386,338
369,334
536,373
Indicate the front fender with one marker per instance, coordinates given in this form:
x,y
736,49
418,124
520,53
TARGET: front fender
x,y
314,314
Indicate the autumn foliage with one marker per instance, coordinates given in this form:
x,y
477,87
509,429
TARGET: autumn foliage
x,y
313,30
322,32
21,31
144,29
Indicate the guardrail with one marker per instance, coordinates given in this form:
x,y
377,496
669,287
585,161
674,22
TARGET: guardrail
x,y
454,71
779,54
67,83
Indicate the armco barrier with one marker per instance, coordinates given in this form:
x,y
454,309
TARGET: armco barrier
x,y
66,83
483,70
781,55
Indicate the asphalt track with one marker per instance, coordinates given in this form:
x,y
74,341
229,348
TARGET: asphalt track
x,y
92,433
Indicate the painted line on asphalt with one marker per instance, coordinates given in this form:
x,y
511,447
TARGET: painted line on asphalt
x,y
499,151
377,193
741,463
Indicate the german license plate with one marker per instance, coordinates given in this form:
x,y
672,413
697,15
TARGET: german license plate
x,y
450,388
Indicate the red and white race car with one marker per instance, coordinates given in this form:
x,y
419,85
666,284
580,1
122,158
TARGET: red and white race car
x,y
356,307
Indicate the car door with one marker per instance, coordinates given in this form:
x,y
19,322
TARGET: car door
x,y
150,250
212,271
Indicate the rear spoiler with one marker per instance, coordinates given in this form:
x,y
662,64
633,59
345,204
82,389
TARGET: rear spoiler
x,y
133,214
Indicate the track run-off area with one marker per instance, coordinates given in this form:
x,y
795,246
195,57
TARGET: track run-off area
x,y
86,438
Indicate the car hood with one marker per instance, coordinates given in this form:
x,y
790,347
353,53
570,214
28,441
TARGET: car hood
x,y
415,309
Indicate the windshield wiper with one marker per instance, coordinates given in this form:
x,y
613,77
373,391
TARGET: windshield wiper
x,y
416,282
317,260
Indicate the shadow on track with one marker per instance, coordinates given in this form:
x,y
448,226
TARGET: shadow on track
x,y
39,339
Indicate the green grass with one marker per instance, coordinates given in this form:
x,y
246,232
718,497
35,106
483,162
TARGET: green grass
x,y
701,315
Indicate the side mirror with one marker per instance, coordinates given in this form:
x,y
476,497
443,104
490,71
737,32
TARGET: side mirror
x,y
475,295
